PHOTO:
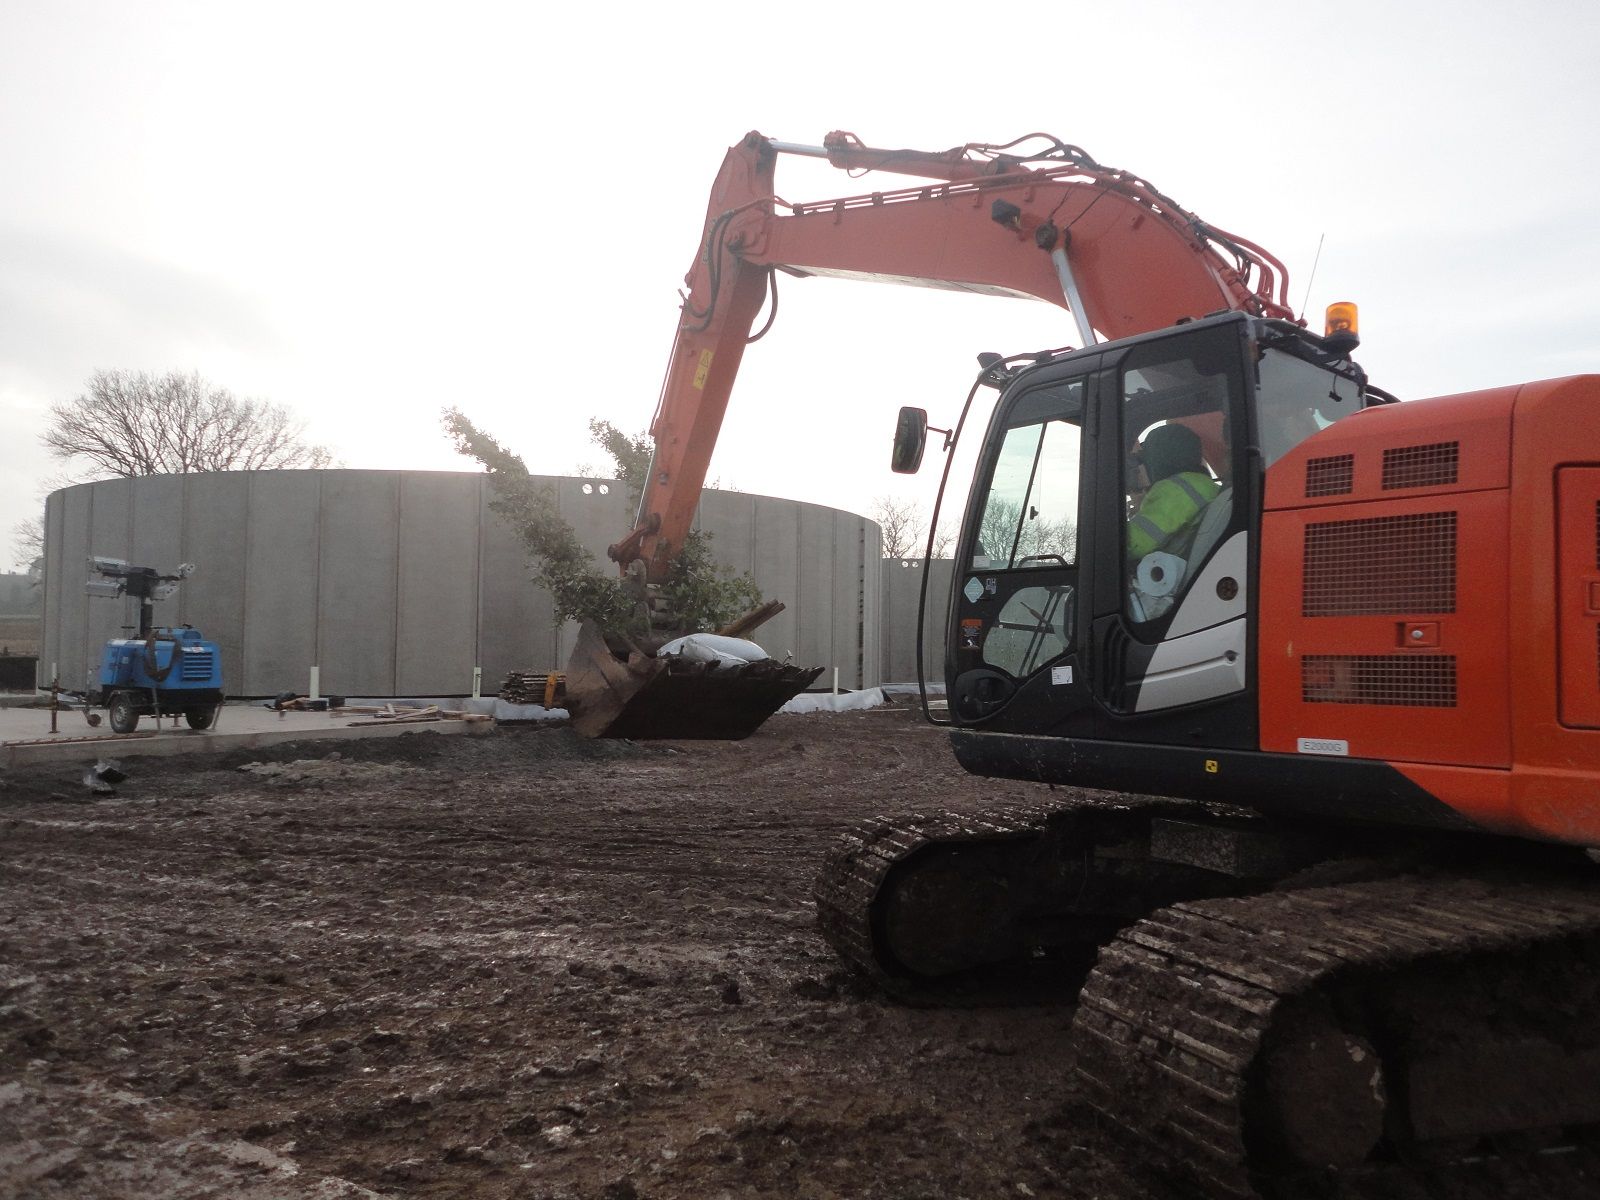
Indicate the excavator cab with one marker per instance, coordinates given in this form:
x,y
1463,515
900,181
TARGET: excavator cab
x,y
1107,569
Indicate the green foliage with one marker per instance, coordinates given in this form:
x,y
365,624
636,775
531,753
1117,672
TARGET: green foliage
x,y
631,452
561,564
702,594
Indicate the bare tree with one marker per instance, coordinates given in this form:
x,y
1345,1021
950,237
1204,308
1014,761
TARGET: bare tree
x,y
1009,535
134,423
27,543
901,523
905,533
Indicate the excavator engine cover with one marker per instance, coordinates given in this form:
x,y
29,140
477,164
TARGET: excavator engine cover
x,y
642,697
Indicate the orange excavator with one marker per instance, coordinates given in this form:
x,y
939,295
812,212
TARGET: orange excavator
x,y
1311,678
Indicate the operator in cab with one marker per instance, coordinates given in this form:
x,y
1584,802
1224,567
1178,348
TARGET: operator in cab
x,y
1180,488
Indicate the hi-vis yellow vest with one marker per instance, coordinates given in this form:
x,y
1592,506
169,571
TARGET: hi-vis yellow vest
x,y
1169,508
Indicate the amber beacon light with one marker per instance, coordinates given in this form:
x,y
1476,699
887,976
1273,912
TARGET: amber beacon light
x,y
1342,326
1342,318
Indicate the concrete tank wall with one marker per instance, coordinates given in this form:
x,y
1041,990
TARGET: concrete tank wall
x,y
399,583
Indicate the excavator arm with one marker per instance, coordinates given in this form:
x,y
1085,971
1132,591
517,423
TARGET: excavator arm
x,y
1053,225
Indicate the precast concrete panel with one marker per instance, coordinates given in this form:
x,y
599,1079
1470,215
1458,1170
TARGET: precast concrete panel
x,y
156,507
110,521
777,571
740,525
359,569
845,606
871,582
216,509
730,520
438,589
597,510
516,619
814,552
78,651
281,604
51,640
111,516
902,587
902,579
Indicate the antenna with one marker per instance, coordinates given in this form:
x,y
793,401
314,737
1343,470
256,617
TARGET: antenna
x,y
1312,277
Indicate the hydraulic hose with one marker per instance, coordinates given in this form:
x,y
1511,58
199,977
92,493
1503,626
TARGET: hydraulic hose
x,y
151,662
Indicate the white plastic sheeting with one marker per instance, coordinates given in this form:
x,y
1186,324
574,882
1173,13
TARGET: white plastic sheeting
x,y
713,647
811,702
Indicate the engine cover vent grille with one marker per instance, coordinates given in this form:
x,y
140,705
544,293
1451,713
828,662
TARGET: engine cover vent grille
x,y
1331,476
196,665
1378,565
1432,465
1404,680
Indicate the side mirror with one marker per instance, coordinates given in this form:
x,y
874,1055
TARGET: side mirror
x,y
910,440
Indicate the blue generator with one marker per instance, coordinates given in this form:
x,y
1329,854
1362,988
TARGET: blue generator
x,y
168,672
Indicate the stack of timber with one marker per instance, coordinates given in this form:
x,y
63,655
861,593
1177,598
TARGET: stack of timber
x,y
546,688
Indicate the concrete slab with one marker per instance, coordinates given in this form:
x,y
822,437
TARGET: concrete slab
x,y
26,740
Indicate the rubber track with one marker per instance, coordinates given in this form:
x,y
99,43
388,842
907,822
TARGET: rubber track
x,y
852,876
1178,1007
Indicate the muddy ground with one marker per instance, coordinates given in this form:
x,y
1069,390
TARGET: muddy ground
x,y
518,965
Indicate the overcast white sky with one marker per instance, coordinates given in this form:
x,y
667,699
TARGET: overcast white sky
x,y
369,211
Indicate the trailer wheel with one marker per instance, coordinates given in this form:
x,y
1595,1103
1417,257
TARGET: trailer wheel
x,y
201,718
124,713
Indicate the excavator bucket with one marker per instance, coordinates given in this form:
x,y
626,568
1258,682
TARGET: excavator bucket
x,y
634,695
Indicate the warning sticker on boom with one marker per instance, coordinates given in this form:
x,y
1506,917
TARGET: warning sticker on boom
x,y
703,369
